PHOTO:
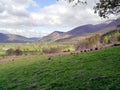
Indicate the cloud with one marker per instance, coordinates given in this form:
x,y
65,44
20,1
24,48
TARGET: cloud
x,y
16,18
1,7
63,14
27,32
58,14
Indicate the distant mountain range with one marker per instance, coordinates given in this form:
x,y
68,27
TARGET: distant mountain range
x,y
5,38
73,35
81,32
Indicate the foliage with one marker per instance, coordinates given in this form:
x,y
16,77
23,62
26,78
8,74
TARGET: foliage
x,y
77,1
10,52
18,52
111,37
89,42
96,70
13,52
34,48
51,50
104,7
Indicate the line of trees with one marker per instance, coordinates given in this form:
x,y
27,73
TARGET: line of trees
x,y
111,37
90,42
99,41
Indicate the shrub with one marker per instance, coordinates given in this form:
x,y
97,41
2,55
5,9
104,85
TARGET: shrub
x,y
10,52
51,50
13,52
18,52
68,50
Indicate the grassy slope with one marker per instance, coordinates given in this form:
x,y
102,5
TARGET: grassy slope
x,y
96,70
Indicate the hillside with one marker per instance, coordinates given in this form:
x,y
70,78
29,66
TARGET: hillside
x,y
96,70
15,38
81,32
52,37
93,28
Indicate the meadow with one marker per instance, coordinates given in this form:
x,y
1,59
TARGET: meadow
x,y
94,70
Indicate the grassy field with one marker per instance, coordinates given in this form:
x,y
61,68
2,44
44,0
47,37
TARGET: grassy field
x,y
96,70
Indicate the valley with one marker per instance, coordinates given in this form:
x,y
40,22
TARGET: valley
x,y
84,58
59,44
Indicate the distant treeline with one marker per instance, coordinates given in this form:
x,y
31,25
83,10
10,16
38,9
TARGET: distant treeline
x,y
96,41
39,49
99,41
111,37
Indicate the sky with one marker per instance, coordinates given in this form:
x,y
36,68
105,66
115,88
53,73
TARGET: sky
x,y
37,18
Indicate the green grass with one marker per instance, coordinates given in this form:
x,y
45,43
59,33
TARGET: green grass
x,y
96,70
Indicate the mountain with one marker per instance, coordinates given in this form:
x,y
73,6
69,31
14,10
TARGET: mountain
x,y
81,32
85,29
52,37
93,28
33,39
15,38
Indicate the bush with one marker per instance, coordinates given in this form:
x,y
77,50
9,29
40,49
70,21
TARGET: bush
x,y
18,52
13,52
68,50
51,50
10,52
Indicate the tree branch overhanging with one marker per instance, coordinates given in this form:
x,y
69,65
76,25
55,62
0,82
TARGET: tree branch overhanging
x,y
104,8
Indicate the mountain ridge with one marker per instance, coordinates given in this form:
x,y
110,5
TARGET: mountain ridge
x,y
5,38
81,31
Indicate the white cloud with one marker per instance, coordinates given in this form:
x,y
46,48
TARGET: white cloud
x,y
64,15
15,17
27,32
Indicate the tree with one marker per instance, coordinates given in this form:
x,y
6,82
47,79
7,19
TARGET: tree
x,y
10,52
103,7
89,42
107,7
18,52
77,1
13,52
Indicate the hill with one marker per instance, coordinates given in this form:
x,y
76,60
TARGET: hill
x,y
81,32
5,38
52,37
96,70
